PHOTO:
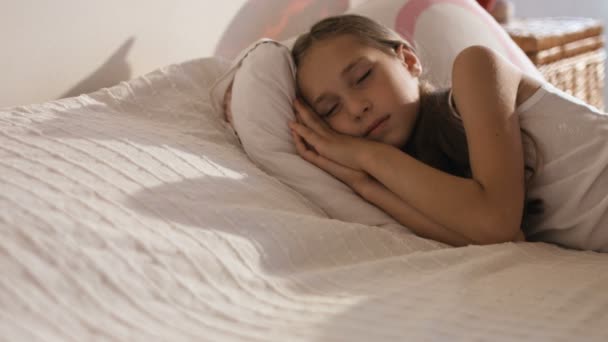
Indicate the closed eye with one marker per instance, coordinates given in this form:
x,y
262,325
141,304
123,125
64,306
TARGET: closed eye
x,y
362,78
330,111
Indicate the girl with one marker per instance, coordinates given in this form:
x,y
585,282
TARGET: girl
x,y
490,160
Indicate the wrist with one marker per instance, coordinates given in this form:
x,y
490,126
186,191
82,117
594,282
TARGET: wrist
x,y
368,155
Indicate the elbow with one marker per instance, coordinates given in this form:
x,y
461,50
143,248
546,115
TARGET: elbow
x,y
498,231
500,221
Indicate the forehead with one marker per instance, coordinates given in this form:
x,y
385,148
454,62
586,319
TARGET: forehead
x,y
323,63
338,47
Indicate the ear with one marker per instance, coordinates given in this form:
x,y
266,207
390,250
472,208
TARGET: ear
x,y
409,59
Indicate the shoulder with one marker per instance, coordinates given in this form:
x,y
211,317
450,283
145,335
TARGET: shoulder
x,y
478,63
483,81
477,53
480,70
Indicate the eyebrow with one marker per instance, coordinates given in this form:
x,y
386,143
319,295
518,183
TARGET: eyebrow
x,y
345,71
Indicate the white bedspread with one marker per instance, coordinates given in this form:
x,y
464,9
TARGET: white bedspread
x,y
133,214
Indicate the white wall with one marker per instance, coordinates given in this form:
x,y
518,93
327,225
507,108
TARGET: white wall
x,y
48,47
546,8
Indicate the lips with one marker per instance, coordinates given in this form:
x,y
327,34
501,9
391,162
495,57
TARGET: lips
x,y
376,124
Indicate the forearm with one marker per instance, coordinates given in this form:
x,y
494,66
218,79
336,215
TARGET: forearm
x,y
409,217
459,204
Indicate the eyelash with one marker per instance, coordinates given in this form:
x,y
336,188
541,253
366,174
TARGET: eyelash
x,y
364,76
361,79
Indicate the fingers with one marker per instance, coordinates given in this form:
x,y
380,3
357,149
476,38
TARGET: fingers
x,y
345,174
304,150
307,117
310,137
312,156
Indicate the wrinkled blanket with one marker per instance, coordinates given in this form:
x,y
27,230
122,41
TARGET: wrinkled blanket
x,y
132,213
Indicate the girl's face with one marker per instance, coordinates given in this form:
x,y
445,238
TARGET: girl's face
x,y
360,90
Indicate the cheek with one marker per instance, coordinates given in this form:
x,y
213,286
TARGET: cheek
x,y
389,95
402,87
339,124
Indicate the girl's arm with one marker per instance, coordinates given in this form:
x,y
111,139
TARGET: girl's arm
x,y
376,193
380,196
487,208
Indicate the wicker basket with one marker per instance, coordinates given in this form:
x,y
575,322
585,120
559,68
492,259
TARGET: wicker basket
x,y
569,52
581,76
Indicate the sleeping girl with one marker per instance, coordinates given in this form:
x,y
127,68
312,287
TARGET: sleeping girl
x,y
498,157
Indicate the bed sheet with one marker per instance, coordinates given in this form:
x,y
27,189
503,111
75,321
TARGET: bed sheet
x,y
132,213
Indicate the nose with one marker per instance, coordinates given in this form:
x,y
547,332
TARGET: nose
x,y
358,106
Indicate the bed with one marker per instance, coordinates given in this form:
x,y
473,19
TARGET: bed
x,y
132,213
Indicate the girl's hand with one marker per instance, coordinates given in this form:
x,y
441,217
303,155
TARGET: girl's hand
x,y
357,180
322,141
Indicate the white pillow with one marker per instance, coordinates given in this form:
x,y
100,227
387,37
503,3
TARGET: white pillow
x,y
262,96
263,91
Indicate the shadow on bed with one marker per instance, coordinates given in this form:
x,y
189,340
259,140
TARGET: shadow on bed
x,y
443,294
404,290
192,177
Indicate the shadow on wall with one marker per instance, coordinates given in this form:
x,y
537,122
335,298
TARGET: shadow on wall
x,y
115,70
276,19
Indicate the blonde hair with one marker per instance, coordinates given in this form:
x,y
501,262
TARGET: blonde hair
x,y
438,138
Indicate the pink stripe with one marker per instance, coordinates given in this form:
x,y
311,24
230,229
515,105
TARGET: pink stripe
x,y
406,22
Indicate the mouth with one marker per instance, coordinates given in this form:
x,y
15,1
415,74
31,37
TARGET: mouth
x,y
378,124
